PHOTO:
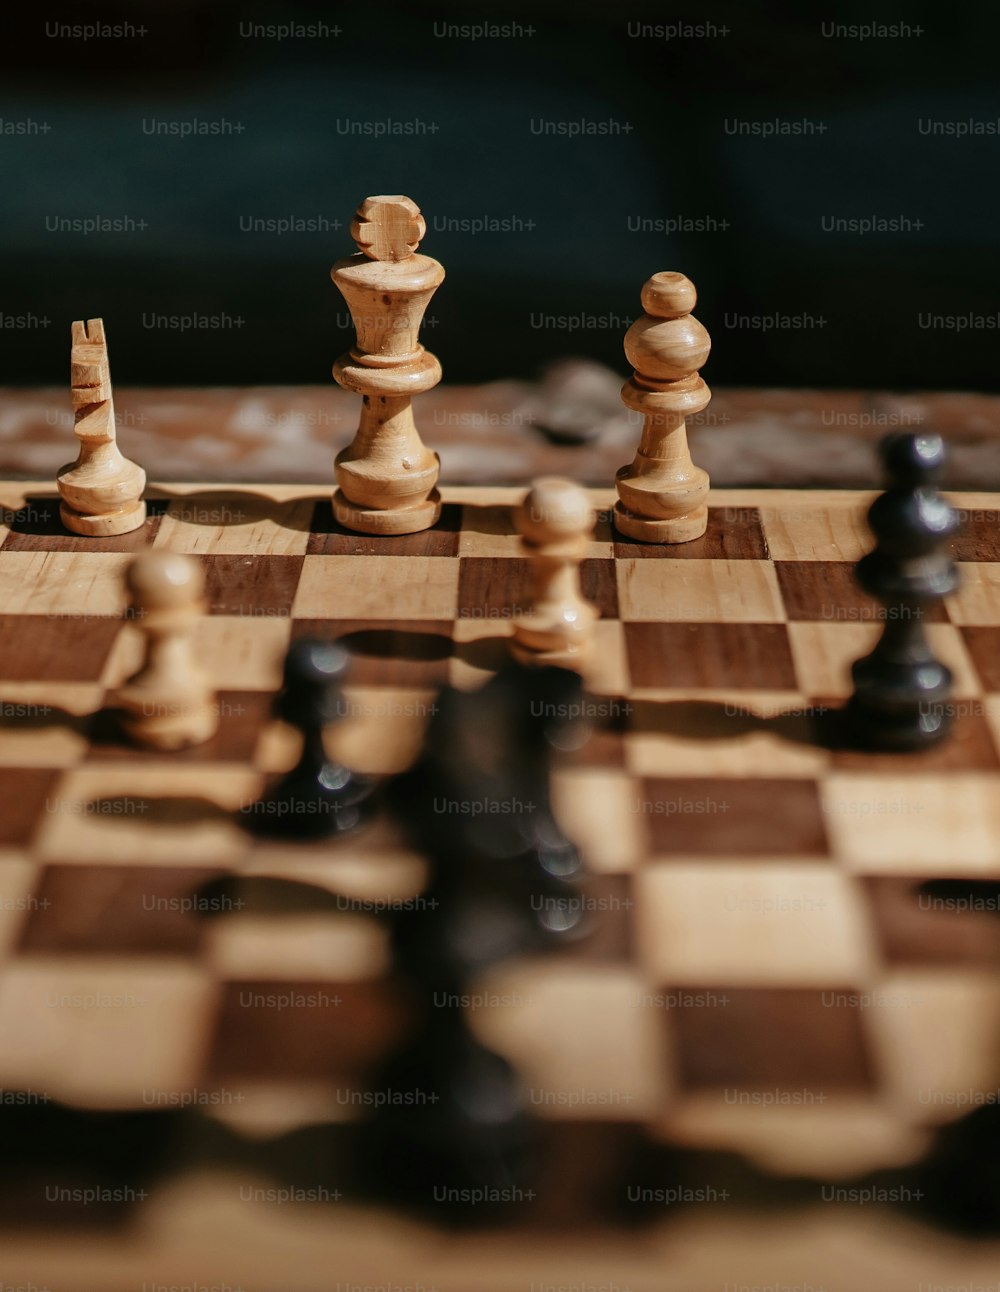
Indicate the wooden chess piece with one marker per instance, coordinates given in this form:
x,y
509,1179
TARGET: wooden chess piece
x,y
168,704
555,521
387,476
901,691
661,495
102,490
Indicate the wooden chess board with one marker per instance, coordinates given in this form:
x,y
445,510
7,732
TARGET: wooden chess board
x,y
766,975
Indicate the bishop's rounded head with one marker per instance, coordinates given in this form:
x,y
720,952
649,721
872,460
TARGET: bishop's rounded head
x,y
164,580
553,510
667,343
912,460
668,295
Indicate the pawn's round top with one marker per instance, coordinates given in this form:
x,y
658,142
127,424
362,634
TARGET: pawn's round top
x,y
912,460
553,510
311,662
164,580
388,227
668,295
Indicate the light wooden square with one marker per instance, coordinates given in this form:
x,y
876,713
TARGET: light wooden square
x,y
490,531
238,653
376,867
41,724
605,671
376,587
593,807
769,924
138,815
233,521
818,527
824,652
487,648
695,591
380,732
100,1033
916,824
935,1038
841,1138
311,947
84,585
18,880
978,599
991,711
578,1036
12,500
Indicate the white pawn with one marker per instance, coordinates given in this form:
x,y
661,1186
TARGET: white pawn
x,y
555,521
168,704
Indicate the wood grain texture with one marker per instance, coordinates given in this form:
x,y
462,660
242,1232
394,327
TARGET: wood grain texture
x,y
387,476
769,869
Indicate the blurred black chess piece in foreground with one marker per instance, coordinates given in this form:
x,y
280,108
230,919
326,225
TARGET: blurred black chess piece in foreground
x,y
503,878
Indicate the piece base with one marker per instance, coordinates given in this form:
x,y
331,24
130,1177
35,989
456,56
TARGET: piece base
x,y
573,657
678,529
410,519
872,729
171,731
105,525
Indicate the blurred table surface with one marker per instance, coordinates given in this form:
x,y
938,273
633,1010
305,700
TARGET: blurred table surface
x,y
571,423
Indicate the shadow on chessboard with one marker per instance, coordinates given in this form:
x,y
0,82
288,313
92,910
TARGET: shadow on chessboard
x,y
710,720
589,1174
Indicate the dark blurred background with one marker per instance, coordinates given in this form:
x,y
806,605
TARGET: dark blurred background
x,y
222,148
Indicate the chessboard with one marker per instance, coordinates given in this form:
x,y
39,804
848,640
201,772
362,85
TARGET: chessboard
x,y
788,962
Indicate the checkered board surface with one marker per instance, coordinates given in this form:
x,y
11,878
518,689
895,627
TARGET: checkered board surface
x,y
764,975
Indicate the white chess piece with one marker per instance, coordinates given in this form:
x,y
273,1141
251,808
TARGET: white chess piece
x,y
556,522
168,704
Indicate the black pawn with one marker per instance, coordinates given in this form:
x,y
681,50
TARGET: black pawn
x,y
318,797
900,689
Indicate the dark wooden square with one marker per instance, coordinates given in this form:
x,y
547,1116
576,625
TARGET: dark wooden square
x,y
36,527
388,652
608,909
968,747
983,645
827,592
323,1030
37,648
979,538
728,817
733,534
330,538
26,795
710,655
117,910
499,587
768,1038
251,586
922,922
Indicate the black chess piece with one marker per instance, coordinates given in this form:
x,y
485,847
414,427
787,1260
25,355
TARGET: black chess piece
x,y
318,797
452,1135
479,800
900,689
477,805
